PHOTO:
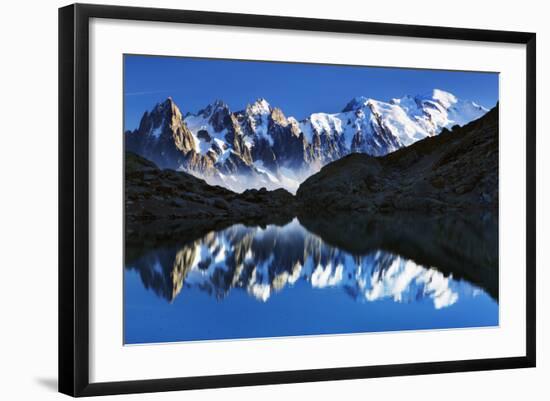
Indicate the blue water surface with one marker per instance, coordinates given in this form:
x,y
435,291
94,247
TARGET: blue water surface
x,y
251,282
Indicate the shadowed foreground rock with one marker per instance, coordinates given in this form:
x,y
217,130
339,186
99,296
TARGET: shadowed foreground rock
x,y
455,170
170,201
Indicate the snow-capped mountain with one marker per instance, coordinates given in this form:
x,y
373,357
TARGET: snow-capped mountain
x,y
261,147
264,261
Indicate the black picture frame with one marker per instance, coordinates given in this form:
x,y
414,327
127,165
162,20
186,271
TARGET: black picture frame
x,y
74,198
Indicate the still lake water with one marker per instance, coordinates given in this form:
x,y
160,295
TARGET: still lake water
x,y
252,281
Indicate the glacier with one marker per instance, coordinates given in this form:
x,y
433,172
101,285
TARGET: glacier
x,y
261,147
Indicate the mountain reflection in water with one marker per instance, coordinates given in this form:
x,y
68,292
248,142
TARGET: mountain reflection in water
x,y
338,275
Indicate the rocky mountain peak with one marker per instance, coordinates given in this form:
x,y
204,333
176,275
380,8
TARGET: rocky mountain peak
x,y
214,107
162,136
169,110
260,106
356,103
164,114
217,114
167,105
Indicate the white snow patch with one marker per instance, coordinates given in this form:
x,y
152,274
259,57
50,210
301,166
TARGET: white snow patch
x,y
156,132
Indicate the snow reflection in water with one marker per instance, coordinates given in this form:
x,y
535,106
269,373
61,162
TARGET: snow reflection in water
x,y
266,263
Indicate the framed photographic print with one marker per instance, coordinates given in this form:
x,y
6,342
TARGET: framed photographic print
x,y
249,199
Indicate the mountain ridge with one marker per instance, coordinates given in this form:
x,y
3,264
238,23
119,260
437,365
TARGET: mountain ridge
x,y
456,170
261,146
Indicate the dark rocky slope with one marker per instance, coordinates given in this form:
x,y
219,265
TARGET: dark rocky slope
x,y
457,169
167,201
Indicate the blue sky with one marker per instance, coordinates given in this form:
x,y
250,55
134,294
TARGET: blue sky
x,y
298,89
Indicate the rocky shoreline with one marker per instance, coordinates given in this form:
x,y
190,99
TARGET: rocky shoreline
x,y
167,201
